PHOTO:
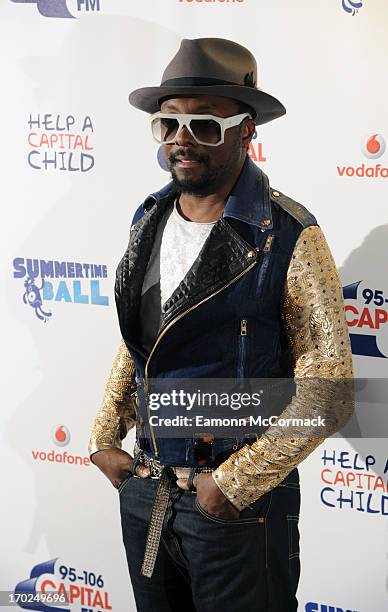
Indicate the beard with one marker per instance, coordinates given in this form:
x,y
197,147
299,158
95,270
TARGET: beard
x,y
206,181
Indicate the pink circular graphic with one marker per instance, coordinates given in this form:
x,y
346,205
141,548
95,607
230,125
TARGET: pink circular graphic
x,y
60,435
373,146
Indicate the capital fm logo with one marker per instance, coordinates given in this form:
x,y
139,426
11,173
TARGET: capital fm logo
x,y
373,146
59,8
351,6
366,316
55,585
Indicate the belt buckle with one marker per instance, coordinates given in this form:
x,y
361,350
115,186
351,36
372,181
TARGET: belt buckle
x,y
154,467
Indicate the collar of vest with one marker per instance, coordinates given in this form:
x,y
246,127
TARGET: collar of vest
x,y
249,200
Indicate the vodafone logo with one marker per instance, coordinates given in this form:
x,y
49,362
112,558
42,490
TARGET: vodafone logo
x,y
373,146
60,435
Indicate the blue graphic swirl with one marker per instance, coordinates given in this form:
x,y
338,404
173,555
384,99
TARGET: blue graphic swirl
x,y
353,8
29,586
50,8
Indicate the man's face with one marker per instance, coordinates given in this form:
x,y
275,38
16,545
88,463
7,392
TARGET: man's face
x,y
199,169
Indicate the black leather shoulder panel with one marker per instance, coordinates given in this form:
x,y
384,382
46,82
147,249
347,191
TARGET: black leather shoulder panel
x,y
293,208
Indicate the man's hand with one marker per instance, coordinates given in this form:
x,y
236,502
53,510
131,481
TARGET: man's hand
x,y
115,464
210,497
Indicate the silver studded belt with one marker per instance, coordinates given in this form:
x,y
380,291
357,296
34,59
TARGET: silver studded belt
x,y
166,475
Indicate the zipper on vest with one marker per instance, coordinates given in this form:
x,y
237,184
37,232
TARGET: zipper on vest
x,y
264,264
268,243
162,333
242,348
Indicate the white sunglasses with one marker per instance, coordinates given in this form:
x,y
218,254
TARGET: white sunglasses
x,y
207,130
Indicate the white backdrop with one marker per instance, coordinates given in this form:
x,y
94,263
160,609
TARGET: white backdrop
x,y
66,68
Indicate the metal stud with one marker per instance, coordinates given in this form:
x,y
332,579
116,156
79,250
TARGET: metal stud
x,y
276,194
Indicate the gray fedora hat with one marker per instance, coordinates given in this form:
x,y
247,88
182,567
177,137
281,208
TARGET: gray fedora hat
x,y
212,67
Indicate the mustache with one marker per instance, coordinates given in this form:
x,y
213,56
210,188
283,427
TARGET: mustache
x,y
187,155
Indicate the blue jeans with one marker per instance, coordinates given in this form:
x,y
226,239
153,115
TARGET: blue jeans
x,y
207,564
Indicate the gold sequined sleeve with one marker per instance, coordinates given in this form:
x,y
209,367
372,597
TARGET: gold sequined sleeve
x,y
117,414
314,321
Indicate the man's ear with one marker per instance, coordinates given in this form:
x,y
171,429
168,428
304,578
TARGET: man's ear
x,y
247,132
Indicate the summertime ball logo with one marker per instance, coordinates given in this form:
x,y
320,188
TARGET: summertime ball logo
x,y
69,282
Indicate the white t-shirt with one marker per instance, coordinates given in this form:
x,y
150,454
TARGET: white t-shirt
x,y
177,245
181,243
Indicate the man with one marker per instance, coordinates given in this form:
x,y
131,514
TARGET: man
x,y
224,278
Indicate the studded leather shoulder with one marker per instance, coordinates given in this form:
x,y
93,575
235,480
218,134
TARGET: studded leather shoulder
x,y
293,208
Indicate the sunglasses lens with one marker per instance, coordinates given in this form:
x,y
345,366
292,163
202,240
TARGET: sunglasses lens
x,y
206,130
164,129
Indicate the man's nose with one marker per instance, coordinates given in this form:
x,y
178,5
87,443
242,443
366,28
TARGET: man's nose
x,y
184,138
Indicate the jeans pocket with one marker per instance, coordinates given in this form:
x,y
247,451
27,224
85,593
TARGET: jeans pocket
x,y
293,550
293,536
256,513
122,484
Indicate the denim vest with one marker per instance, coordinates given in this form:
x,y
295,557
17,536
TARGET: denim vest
x,y
237,282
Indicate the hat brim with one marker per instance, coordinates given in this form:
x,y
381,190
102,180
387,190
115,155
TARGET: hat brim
x,y
266,106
